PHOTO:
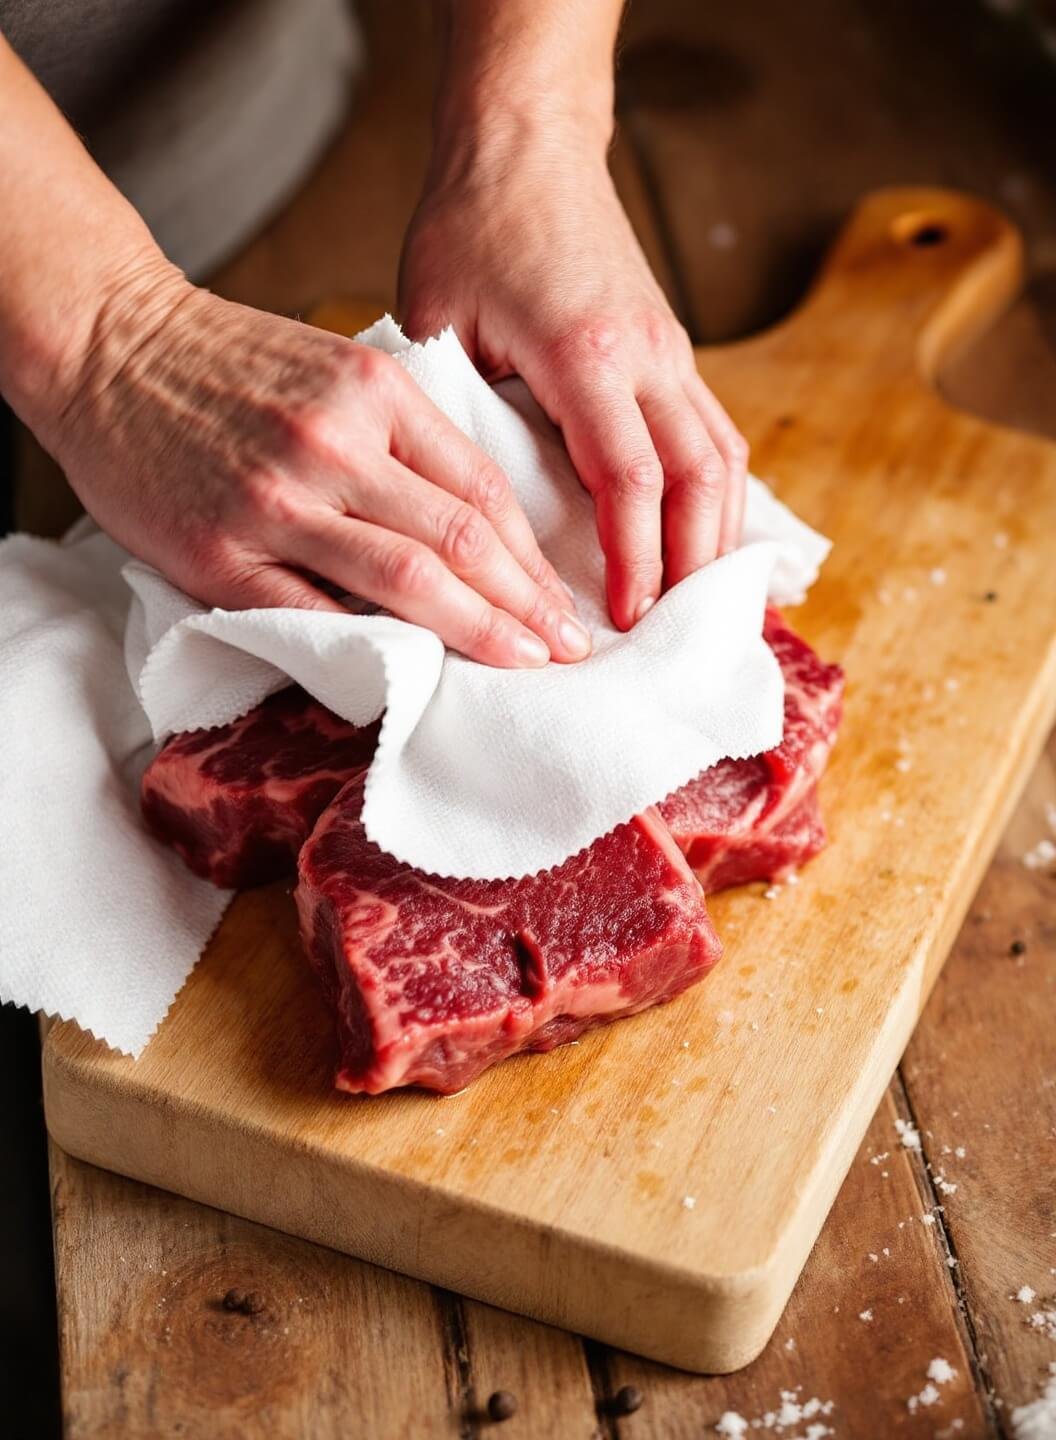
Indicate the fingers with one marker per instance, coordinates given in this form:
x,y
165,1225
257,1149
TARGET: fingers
x,y
425,441
398,500
254,585
611,448
695,478
733,448
412,581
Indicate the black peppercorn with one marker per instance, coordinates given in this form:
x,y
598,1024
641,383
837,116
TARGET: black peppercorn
x,y
627,1400
234,1300
1018,947
502,1405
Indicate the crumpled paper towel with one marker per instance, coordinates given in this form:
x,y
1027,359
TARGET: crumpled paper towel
x,y
479,771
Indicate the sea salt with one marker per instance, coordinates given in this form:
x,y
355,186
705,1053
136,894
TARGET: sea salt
x,y
908,1134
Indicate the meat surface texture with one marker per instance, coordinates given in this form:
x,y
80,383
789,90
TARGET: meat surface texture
x,y
238,802
433,980
759,819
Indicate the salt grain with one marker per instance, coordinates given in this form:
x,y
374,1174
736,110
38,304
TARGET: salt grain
x,y
688,1202
908,1134
865,1315
938,576
1025,1295
941,1371
1044,853
1037,1421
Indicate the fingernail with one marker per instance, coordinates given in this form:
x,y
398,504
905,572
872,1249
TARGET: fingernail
x,y
644,606
574,637
528,649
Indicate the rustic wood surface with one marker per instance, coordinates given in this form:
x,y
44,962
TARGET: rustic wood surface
x,y
985,1038
593,1189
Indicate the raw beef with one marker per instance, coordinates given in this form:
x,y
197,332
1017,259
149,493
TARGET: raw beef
x,y
239,801
433,980
759,819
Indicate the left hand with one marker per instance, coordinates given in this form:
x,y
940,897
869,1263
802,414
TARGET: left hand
x,y
525,249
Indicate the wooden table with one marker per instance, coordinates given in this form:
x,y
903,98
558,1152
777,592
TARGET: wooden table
x,y
925,1249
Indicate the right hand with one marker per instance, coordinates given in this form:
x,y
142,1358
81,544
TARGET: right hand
x,y
247,456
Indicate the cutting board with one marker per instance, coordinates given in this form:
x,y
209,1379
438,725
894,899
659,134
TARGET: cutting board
x,y
659,1184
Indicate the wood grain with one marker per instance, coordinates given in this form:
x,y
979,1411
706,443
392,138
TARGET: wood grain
x,y
980,1075
149,1350
556,1186
875,1257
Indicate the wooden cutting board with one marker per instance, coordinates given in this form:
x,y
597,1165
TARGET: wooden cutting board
x,y
659,1184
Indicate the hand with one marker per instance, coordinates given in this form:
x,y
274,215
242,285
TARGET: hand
x,y
248,456
525,249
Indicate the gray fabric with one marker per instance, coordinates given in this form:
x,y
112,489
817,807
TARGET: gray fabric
x,y
206,117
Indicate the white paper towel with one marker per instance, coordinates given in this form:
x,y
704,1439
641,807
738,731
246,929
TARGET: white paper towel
x,y
478,771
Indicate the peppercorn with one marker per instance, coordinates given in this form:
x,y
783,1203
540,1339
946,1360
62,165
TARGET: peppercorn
x,y
627,1400
501,1406
234,1300
1018,947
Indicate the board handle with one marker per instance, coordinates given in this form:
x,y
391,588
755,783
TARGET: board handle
x,y
914,276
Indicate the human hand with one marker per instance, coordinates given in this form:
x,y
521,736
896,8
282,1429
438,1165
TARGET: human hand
x,y
522,245
248,457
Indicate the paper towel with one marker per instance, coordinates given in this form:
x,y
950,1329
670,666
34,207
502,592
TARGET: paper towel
x,y
478,772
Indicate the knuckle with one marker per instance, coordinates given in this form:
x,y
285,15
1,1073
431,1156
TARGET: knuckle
x,y
656,329
465,539
271,496
485,632
407,570
490,492
640,479
592,341
368,366
739,449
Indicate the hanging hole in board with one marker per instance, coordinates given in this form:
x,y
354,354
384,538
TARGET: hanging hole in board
x,y
922,231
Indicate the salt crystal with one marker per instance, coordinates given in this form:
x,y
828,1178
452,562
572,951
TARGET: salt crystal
x,y
688,1202
904,764
1037,1420
732,1425
960,1152
941,1370
771,892
951,683
938,576
1044,853
792,878
908,1134
928,1219
874,1257
865,1315
1025,1295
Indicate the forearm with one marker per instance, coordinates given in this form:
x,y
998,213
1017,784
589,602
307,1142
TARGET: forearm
x,y
77,264
520,71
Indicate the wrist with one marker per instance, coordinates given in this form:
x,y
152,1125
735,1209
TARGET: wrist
x,y
64,365
491,137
